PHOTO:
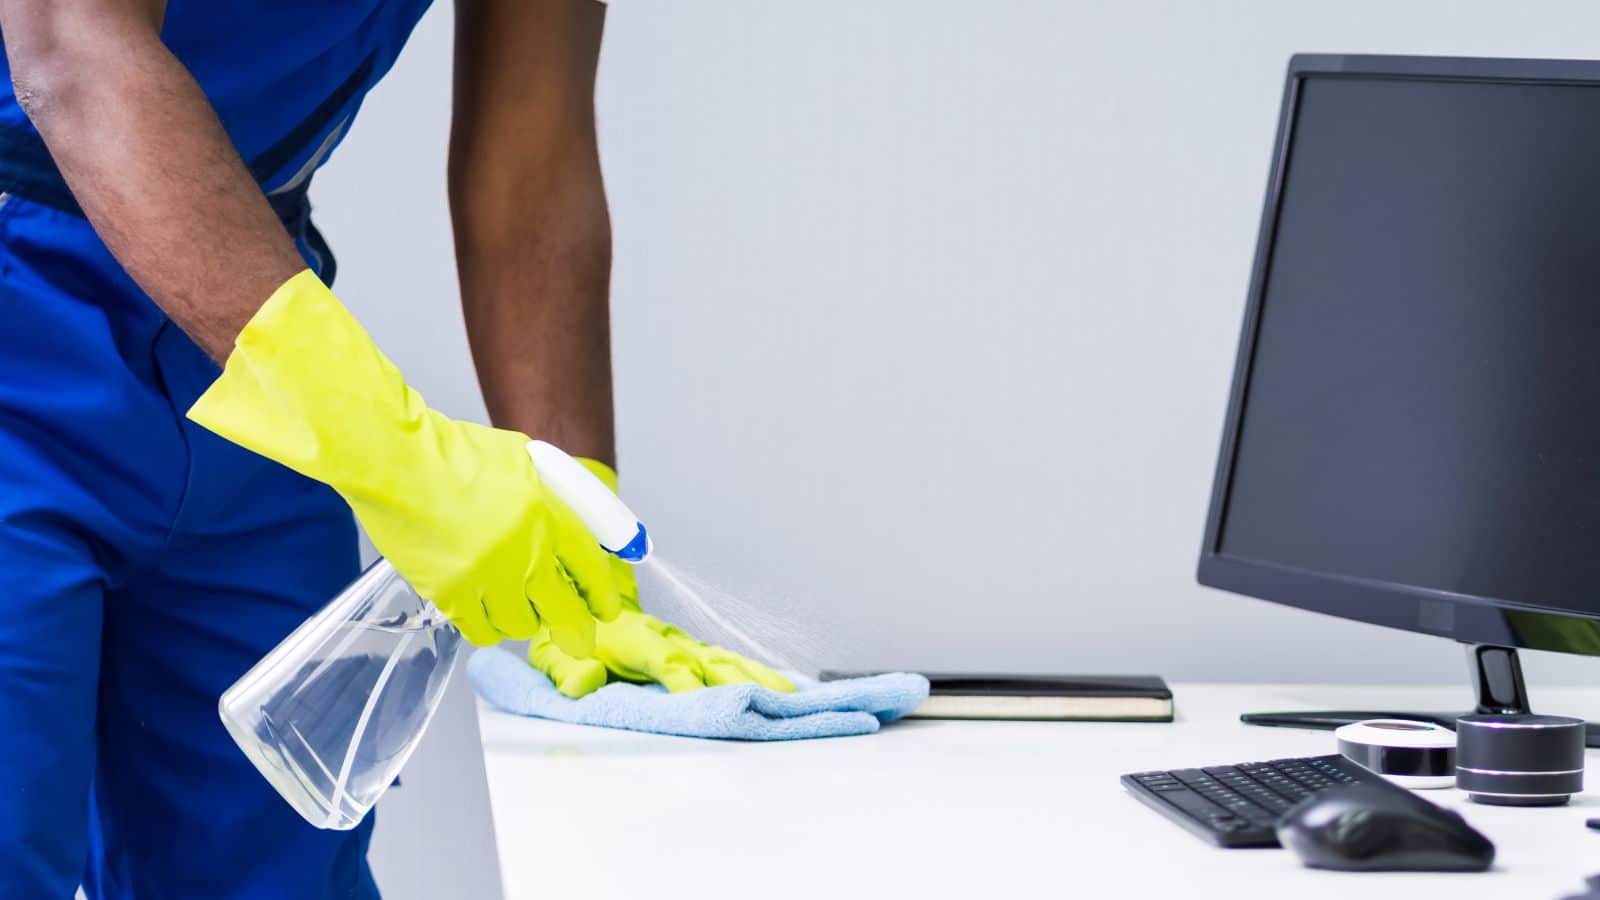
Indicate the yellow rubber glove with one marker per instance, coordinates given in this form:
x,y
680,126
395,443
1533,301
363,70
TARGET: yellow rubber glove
x,y
641,648
457,508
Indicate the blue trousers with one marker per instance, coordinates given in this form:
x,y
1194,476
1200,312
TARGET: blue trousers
x,y
145,564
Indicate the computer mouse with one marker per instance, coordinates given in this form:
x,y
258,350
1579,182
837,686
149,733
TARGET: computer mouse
x,y
1370,828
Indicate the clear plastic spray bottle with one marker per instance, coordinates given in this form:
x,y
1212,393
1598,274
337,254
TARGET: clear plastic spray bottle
x,y
331,715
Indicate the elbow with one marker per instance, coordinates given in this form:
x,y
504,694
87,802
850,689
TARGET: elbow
x,y
32,90
45,82
57,50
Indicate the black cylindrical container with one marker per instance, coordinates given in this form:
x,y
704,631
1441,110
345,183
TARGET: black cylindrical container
x,y
1519,759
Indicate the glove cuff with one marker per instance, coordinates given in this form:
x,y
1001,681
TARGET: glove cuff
x,y
304,378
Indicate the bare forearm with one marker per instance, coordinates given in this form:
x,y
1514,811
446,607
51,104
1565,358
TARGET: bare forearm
x,y
535,294
152,167
533,237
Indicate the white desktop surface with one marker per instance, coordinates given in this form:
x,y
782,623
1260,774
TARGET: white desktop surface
x,y
963,809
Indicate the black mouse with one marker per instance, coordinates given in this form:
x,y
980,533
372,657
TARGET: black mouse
x,y
1365,828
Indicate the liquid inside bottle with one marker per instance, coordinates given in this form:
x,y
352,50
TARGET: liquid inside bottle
x,y
332,714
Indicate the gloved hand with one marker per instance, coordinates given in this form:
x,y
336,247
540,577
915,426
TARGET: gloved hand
x,y
457,508
641,648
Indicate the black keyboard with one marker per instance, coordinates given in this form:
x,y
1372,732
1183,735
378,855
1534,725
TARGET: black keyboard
x,y
1238,805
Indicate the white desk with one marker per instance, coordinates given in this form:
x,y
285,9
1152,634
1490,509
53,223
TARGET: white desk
x,y
961,809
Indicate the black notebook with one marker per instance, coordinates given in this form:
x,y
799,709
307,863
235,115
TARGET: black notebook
x,y
1061,698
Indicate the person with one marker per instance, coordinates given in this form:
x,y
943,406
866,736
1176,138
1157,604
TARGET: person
x,y
189,416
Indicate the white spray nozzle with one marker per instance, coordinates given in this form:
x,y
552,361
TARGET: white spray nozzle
x,y
610,520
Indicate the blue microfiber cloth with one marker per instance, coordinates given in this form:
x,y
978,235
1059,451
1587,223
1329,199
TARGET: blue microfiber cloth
x,y
743,712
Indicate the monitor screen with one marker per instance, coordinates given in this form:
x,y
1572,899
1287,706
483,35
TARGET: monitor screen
x,y
1421,404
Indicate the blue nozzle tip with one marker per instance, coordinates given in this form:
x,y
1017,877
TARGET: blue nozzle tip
x,y
636,549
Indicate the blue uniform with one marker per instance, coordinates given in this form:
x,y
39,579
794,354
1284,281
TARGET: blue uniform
x,y
145,563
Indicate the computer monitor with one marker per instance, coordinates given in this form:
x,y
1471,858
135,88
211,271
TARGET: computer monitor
x,y
1413,436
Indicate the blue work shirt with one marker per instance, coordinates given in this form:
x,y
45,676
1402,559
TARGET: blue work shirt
x,y
286,78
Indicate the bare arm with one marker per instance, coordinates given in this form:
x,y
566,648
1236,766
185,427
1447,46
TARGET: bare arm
x,y
145,156
533,236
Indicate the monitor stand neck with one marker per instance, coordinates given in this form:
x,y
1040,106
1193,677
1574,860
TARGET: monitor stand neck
x,y
1496,674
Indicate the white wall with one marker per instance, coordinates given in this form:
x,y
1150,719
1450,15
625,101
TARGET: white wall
x,y
925,310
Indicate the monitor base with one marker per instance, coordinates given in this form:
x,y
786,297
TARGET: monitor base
x,y
1496,671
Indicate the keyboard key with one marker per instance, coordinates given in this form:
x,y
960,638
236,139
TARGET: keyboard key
x,y
1192,803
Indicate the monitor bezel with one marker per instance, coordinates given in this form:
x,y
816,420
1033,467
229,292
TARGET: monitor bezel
x,y
1463,617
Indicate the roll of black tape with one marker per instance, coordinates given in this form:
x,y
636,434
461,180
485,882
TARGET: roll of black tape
x,y
1519,760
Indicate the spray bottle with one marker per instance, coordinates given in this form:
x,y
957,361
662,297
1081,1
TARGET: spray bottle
x,y
331,715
